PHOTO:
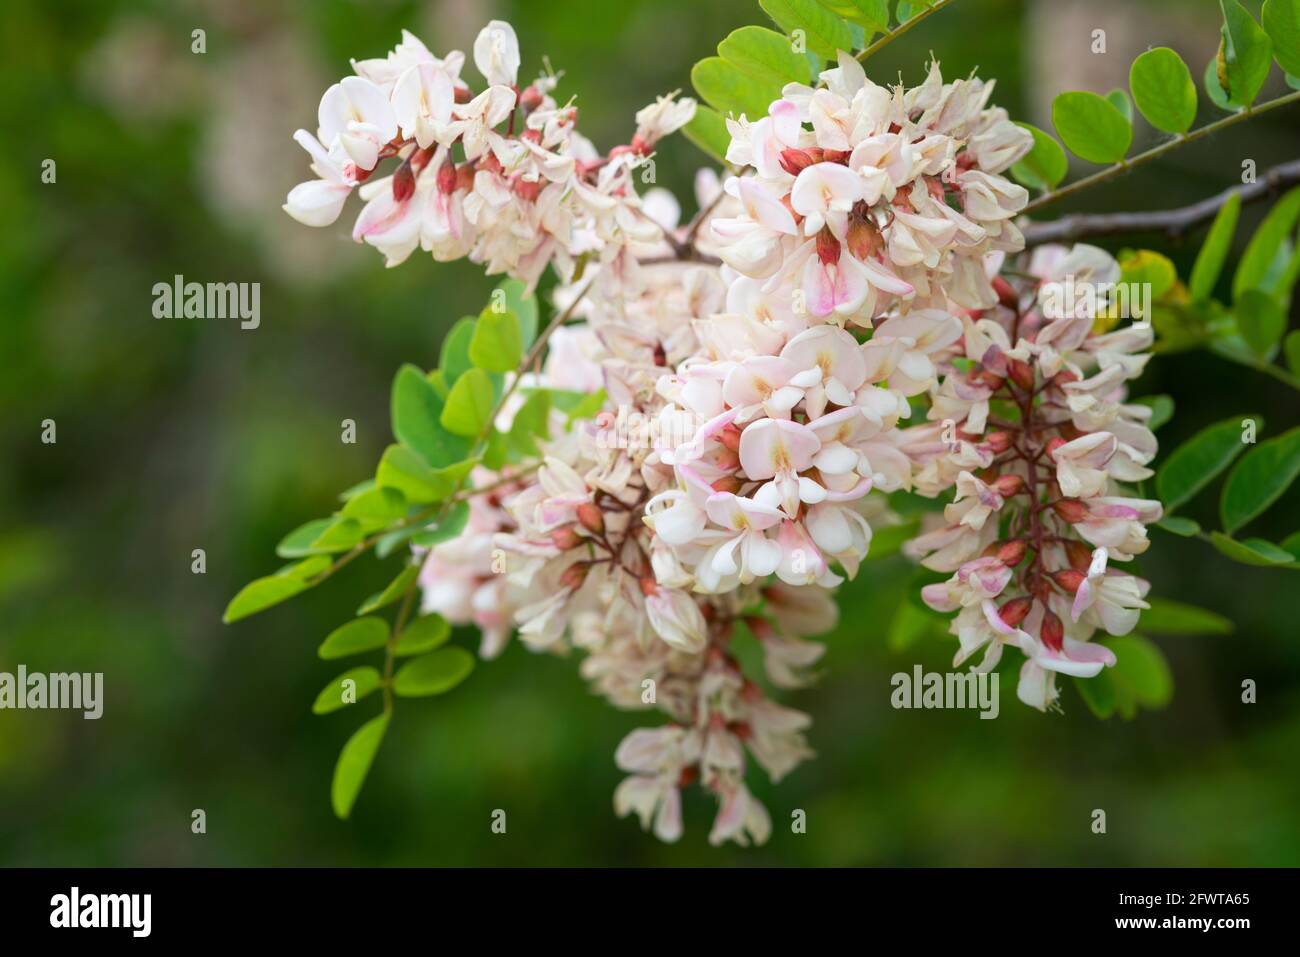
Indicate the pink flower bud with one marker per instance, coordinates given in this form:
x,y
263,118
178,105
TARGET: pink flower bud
x,y
1012,553
1008,485
591,518
1014,611
1021,373
403,183
1069,580
1007,295
573,576
1079,555
828,247
566,538
1070,509
1053,632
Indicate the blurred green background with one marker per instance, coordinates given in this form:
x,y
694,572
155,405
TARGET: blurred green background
x,y
175,435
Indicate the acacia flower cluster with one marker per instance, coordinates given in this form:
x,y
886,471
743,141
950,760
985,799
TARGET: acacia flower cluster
x,y
1040,512
865,200
500,176
846,272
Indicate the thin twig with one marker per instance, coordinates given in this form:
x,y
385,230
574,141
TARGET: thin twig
x,y
1155,152
902,28
1174,223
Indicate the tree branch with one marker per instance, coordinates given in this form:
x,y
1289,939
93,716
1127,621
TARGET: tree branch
x,y
890,36
1124,165
1174,223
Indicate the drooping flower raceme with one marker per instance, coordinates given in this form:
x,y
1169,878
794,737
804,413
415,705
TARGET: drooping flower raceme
x,y
759,366
1041,521
498,174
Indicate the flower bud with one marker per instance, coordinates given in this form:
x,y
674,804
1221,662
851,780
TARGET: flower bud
x,y
795,161
1021,373
835,156
591,518
1007,295
1052,632
1053,445
828,247
1070,509
1067,579
565,538
1008,485
1041,589
1014,611
464,178
730,438
527,190
573,576
1012,553
463,94
1078,555
530,99
998,442
403,182
863,239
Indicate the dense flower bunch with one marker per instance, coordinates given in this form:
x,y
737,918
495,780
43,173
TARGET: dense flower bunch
x,y
757,362
1040,512
527,189
866,199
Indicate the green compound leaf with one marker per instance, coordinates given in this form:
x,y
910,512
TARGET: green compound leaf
x,y
824,33
354,638
418,413
1245,54
1210,260
423,634
469,405
1045,165
265,592
1091,127
1260,320
1196,462
395,590
354,764
434,673
708,130
1260,479
347,689
730,91
454,360
498,343
524,305
1253,551
1255,269
1163,89
1167,617
1281,20
766,57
